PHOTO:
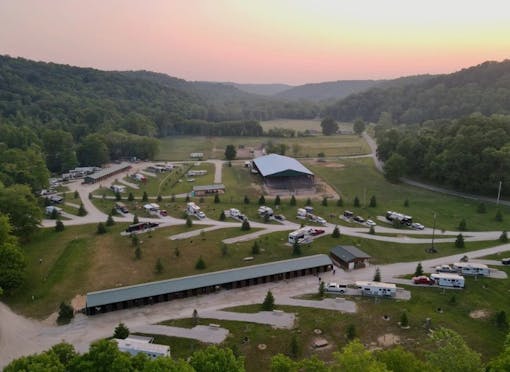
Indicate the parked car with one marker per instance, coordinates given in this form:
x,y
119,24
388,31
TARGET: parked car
x,y
279,217
320,220
417,226
445,269
505,261
423,279
348,214
316,232
359,219
163,213
370,223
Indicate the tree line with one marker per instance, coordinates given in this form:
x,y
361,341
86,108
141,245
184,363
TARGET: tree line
x,y
484,88
470,154
448,353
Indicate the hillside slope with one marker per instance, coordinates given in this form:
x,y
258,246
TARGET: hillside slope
x,y
330,90
484,88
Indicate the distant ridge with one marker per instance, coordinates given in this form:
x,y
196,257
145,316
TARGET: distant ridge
x,y
261,89
332,90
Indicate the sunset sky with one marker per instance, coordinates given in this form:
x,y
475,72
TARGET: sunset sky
x,y
260,41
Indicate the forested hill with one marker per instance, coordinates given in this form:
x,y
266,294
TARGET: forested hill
x,y
331,90
484,88
261,89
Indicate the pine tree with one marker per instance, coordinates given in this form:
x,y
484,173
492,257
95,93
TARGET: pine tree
x,y
101,229
138,252
308,201
65,313
503,238
371,230
131,197
189,223
172,198
268,304
145,197
481,208
324,202
351,332
177,252
499,216
110,221
296,249
134,240
462,225
54,214
81,211
459,242
114,212
246,200
59,226
159,266
377,275
195,317
121,331
117,196
404,321
292,200
262,200
255,249
216,198
277,200
222,216
419,270
322,289
224,249
406,203
245,226
159,198
187,199
336,232
200,265
356,201
294,346
76,194
135,219
373,202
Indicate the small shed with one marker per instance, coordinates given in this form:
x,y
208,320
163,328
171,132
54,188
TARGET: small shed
x,y
349,257
205,190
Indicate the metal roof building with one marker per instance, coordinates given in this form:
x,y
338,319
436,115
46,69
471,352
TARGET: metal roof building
x,y
107,172
274,165
203,190
165,290
349,257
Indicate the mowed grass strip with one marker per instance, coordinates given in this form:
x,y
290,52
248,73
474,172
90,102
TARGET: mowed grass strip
x,y
180,147
358,177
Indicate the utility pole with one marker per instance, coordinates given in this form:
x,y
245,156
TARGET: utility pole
x,y
499,192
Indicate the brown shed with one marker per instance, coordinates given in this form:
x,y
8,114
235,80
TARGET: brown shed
x,y
349,257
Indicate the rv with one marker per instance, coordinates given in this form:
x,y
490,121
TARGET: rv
x,y
469,268
301,213
139,177
448,280
151,208
121,207
265,211
141,227
296,236
402,218
49,210
377,289
118,189
198,172
194,210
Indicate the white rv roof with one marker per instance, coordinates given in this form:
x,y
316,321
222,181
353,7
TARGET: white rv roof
x,y
375,284
471,264
138,345
446,276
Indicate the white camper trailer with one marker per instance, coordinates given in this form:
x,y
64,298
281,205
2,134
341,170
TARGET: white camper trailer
x,y
377,289
301,213
296,236
470,268
118,189
448,280
194,210
263,211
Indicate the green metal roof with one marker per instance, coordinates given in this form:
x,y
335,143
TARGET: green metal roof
x,y
133,292
274,165
107,171
348,253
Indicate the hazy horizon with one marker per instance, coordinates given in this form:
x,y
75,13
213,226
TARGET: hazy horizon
x,y
267,42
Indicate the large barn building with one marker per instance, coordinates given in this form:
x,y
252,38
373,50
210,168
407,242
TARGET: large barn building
x,y
166,290
282,172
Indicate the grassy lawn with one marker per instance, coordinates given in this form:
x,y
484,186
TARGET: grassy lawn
x,y
481,334
179,148
299,125
497,256
358,177
78,261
